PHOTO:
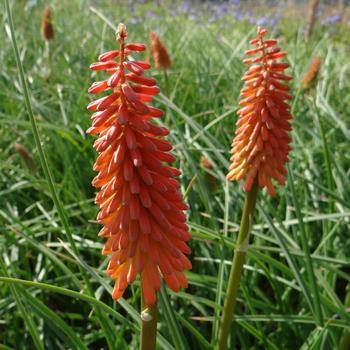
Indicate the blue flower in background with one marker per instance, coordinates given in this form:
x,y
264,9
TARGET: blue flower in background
x,y
250,17
151,14
262,21
211,20
185,6
135,20
332,19
238,16
193,17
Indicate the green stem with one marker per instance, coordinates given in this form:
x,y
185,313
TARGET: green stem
x,y
345,339
237,267
45,166
327,225
327,157
148,326
167,85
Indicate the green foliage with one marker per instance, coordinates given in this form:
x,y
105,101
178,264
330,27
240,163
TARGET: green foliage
x,y
43,295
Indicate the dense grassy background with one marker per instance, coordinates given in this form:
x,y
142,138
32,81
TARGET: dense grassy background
x,y
278,303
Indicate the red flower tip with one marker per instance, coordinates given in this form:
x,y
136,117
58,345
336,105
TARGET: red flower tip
x,y
141,205
261,145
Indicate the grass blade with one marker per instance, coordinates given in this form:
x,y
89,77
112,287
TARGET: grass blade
x,y
55,322
28,320
45,166
309,267
174,329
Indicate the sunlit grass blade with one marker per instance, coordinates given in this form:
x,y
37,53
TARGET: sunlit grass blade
x,y
194,331
26,315
55,322
304,243
54,258
221,271
44,162
170,318
289,257
107,309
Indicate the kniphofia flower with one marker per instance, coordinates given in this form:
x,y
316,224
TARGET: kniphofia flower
x,y
206,164
26,157
311,73
47,32
141,205
159,52
261,145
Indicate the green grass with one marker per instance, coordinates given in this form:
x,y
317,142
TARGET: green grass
x,y
300,245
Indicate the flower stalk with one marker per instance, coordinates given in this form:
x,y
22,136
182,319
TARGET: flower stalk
x,y
259,150
237,266
148,326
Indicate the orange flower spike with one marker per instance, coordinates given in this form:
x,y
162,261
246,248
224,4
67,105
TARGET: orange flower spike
x,y
141,205
47,32
160,54
261,145
311,73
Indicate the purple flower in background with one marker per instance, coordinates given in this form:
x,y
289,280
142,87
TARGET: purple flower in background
x,y
135,20
151,14
222,9
279,13
250,17
262,21
270,21
332,19
238,16
172,12
274,21
193,16
185,7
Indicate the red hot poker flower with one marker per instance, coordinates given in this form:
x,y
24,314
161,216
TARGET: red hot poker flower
x,y
141,205
261,145
160,54
47,32
311,73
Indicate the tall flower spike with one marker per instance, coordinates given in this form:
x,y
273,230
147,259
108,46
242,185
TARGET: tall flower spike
x,y
311,73
141,205
47,32
159,52
261,145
